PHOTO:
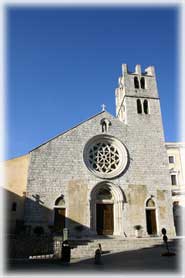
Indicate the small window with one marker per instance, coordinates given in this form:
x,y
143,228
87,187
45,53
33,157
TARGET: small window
x,y
174,179
145,106
171,159
14,206
136,82
60,201
105,124
139,106
150,203
142,83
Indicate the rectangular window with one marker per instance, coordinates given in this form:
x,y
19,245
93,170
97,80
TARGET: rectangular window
x,y
14,206
171,159
174,179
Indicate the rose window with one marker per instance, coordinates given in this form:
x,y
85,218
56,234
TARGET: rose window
x,y
105,156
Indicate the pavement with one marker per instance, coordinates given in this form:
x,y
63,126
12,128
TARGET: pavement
x,y
142,261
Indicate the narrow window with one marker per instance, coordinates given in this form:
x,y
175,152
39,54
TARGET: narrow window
x,y
171,159
174,179
14,206
60,201
105,123
139,106
145,106
150,203
142,83
136,82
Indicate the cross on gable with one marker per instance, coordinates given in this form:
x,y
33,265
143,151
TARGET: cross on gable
x,y
103,107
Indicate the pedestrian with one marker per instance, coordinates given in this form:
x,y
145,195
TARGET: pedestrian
x,y
99,245
66,252
98,252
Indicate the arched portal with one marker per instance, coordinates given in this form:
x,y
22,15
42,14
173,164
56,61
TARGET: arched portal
x,y
151,217
107,209
59,215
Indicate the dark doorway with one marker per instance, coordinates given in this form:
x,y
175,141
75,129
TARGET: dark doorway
x,y
151,221
178,218
104,219
59,219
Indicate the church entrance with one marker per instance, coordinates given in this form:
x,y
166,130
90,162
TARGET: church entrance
x,y
59,215
151,217
151,222
106,208
59,222
104,218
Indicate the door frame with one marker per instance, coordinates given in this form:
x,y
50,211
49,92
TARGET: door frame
x,y
54,212
151,209
106,203
117,201
155,207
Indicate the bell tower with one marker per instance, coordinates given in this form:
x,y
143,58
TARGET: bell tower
x,y
138,108
135,93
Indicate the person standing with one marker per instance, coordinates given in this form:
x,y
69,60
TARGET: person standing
x,y
66,252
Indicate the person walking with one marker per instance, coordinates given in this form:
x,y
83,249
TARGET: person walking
x,y
66,252
98,253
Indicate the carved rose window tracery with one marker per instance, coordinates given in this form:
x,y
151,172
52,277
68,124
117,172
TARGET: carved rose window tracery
x,y
105,156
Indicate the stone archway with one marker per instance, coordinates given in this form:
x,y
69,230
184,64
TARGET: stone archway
x,y
107,209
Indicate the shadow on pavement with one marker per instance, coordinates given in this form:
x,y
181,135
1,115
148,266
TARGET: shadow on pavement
x,y
141,260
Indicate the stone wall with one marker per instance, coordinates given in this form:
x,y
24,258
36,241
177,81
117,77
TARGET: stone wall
x,y
57,167
26,246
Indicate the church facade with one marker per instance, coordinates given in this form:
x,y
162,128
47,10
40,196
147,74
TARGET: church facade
x,y
108,175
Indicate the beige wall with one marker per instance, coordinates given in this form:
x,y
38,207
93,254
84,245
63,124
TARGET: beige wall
x,y
15,172
178,167
14,184
77,190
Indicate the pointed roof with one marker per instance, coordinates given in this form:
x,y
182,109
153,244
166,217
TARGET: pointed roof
x,y
102,112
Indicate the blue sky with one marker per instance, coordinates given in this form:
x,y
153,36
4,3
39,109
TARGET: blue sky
x,y
63,63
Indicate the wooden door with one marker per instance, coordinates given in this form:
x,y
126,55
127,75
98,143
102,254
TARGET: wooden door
x,y
104,217
151,221
59,219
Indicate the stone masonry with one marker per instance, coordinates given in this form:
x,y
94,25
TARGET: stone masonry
x,y
59,167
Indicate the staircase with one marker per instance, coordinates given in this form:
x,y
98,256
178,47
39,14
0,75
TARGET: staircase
x,y
86,248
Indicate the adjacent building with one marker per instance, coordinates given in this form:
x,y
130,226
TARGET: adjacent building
x,y
176,159
14,191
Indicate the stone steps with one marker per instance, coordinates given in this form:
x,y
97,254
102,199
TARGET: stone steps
x,y
112,245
